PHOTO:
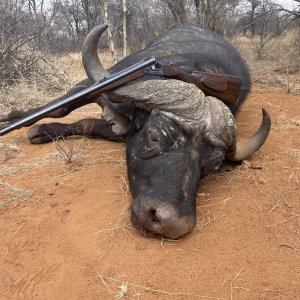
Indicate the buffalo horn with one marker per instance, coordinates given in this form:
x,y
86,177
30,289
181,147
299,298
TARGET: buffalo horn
x,y
90,60
246,147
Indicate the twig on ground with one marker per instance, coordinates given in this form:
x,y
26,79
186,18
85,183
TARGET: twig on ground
x,y
231,283
104,280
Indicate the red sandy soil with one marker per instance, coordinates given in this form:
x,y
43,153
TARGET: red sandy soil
x,y
65,231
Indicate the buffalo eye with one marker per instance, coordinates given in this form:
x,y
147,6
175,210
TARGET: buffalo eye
x,y
213,159
153,138
153,148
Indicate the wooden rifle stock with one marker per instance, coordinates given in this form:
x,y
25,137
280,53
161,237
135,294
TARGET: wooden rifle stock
x,y
223,87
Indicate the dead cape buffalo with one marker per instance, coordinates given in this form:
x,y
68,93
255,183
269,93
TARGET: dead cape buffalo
x,y
173,132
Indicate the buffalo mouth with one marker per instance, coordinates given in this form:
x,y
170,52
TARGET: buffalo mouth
x,y
156,219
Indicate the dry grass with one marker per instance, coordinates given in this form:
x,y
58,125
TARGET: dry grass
x,y
284,123
121,288
276,63
22,168
25,95
69,149
283,49
211,210
119,233
12,193
9,151
38,88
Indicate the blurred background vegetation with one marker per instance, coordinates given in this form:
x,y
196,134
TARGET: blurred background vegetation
x,y
36,34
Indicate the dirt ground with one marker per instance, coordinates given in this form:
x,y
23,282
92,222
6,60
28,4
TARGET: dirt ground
x,y
65,231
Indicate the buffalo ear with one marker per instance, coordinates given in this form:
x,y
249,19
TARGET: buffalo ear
x,y
213,159
119,120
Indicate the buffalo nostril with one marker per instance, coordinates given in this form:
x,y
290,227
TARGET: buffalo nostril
x,y
153,216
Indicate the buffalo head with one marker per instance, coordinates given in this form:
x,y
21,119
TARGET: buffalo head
x,y
175,133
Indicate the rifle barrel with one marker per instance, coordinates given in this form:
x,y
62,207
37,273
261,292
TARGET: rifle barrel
x,y
43,112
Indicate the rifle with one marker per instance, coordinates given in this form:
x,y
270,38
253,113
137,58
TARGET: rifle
x,y
224,87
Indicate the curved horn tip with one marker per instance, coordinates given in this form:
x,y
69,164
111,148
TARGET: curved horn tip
x,y
266,122
249,146
100,27
266,115
90,60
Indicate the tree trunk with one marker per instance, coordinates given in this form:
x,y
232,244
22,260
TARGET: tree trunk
x,y
198,15
124,12
111,44
177,8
